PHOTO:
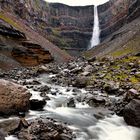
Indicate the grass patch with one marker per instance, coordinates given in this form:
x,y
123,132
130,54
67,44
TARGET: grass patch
x,y
8,20
132,46
118,53
134,80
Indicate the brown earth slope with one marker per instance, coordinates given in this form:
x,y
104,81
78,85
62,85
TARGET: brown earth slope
x,y
21,46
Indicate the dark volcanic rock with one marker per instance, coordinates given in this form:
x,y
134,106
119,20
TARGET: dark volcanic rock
x,y
131,113
96,101
111,88
45,130
11,32
80,82
44,88
37,104
71,103
2,135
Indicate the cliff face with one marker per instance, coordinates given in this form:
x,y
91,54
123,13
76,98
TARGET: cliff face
x,y
70,27
116,13
67,27
120,29
16,50
21,43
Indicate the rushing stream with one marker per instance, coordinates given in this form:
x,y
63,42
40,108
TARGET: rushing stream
x,y
81,118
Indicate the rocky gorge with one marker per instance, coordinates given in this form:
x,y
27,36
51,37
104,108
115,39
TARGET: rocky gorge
x,y
68,27
48,94
59,91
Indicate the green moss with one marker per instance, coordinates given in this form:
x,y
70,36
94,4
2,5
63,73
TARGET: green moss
x,y
132,46
134,80
116,66
56,32
61,42
37,3
130,59
8,20
118,53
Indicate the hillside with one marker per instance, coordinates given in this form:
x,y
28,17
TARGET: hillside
x,y
123,42
23,46
70,27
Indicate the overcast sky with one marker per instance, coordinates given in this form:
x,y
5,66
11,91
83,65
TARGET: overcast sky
x,y
79,2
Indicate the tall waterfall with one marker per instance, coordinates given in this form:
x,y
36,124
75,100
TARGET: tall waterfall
x,y
95,40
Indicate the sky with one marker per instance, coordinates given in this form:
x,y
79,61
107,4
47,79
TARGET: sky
x,y
79,2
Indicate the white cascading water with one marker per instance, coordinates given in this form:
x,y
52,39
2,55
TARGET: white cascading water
x,y
80,118
95,40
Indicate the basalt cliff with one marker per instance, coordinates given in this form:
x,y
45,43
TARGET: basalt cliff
x,y
120,29
41,32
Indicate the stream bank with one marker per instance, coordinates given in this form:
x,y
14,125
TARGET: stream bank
x,y
86,112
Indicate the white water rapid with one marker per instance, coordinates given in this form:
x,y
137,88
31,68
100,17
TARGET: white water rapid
x,y
95,40
81,119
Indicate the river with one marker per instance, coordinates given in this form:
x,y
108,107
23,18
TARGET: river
x,y
81,119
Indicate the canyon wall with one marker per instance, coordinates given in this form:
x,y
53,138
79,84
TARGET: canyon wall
x,y
120,29
70,27
116,13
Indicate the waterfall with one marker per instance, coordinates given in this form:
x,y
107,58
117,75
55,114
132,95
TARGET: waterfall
x,y
95,40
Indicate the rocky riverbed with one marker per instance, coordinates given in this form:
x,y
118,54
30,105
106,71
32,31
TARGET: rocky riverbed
x,y
77,100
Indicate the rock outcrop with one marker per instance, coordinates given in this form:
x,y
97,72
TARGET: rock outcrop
x,y
18,50
14,98
115,14
21,43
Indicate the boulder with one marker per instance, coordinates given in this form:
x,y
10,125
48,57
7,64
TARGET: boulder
x,y
96,101
80,82
9,125
44,88
2,135
131,113
132,94
45,129
71,103
88,68
37,104
14,98
92,59
111,88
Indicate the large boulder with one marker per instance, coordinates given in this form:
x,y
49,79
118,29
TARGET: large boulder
x,y
80,82
13,98
132,113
